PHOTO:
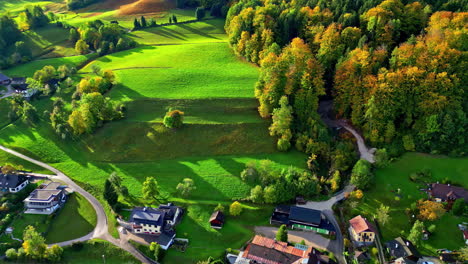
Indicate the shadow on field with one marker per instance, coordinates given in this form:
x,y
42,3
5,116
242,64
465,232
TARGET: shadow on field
x,y
196,31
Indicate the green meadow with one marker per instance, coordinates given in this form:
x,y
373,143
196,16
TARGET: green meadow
x,y
191,69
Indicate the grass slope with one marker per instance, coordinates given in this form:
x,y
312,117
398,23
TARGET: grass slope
x,y
395,176
93,252
208,70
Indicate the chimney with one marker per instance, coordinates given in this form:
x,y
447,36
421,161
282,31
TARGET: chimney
x,y
407,243
144,209
448,184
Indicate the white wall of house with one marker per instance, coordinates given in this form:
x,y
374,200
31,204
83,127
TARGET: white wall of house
x,y
20,187
146,228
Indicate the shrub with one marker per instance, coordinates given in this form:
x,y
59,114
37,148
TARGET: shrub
x,y
200,13
11,254
174,119
458,207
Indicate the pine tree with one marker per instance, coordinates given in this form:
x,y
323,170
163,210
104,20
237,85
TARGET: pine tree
x,y
136,24
143,21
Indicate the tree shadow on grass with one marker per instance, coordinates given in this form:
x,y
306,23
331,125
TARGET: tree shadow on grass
x,y
196,31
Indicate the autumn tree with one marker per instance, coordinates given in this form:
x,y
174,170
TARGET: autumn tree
x,y
174,119
382,214
33,243
235,209
430,210
82,47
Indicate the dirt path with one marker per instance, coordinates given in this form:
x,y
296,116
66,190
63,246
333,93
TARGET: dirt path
x,y
325,111
101,229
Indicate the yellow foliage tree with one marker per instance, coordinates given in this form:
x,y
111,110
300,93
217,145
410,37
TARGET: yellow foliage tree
x,y
429,210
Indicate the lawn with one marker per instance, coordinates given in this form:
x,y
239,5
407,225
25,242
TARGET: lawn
x,y
192,71
23,220
396,176
77,217
28,69
93,251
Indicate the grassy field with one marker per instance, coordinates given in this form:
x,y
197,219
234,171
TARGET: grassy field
x,y
93,252
202,77
396,176
28,69
77,217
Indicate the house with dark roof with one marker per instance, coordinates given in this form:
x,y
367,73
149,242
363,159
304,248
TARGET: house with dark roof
x,y
46,199
156,224
19,83
13,183
402,250
301,218
361,231
4,80
447,192
217,219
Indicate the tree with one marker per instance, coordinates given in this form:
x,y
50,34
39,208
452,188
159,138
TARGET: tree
x,y
381,158
282,234
200,13
358,194
256,194
235,209
82,47
383,214
219,207
464,253
430,210
65,71
186,187
174,119
174,18
74,35
143,22
33,243
136,24
150,189
335,181
11,254
157,251
29,113
54,253
110,193
458,207
416,233
281,125
361,176
8,169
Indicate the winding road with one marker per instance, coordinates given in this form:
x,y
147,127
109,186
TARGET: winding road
x,y
101,229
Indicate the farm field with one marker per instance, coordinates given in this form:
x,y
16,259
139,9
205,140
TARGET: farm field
x,y
222,132
396,176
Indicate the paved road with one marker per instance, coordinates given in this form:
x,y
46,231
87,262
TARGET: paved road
x,y
10,92
101,229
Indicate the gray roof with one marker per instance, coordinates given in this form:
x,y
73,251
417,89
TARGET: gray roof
x,y
11,180
400,247
45,193
3,77
147,215
305,215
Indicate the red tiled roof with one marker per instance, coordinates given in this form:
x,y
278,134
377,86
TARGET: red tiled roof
x,y
465,234
277,245
360,224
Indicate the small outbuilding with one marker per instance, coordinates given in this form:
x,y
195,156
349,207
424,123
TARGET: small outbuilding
x,y
217,219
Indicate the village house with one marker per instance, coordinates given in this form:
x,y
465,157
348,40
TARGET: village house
x,y
301,218
361,231
156,224
46,199
402,251
217,219
13,183
4,80
447,192
262,250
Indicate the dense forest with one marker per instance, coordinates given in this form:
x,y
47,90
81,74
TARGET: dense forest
x,y
395,69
